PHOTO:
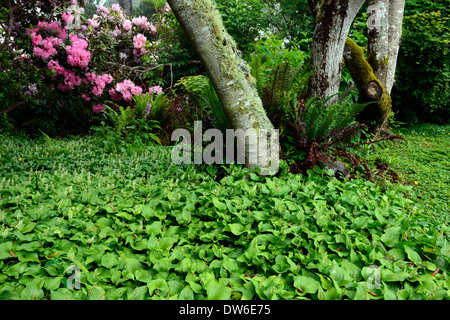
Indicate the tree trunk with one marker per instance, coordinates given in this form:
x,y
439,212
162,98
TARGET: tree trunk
x,y
369,86
229,73
396,9
127,6
378,39
333,18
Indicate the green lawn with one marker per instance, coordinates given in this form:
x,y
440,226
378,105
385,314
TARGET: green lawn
x,y
136,226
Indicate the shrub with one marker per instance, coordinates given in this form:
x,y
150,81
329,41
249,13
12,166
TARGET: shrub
x,y
423,69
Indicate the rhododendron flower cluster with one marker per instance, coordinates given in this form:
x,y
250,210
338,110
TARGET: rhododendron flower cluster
x,y
128,89
66,51
45,48
99,82
98,107
139,43
155,89
77,55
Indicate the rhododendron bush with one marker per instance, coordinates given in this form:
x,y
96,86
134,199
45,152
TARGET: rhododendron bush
x,y
86,57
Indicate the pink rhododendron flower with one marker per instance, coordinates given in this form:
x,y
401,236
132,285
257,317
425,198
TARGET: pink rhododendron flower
x,y
128,89
114,95
139,42
67,18
155,89
127,25
115,7
140,21
98,107
77,56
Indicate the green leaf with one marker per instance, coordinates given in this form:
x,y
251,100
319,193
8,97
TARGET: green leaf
x,y
391,236
143,276
306,284
128,262
5,249
412,255
166,243
236,228
389,276
230,264
110,260
218,292
25,256
154,227
219,205
52,283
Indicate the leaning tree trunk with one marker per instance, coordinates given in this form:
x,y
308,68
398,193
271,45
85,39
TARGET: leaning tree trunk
x,y
369,86
229,73
334,19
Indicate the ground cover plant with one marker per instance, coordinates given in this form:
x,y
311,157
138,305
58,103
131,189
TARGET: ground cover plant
x,y
137,226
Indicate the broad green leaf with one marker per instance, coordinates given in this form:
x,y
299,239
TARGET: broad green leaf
x,y
110,260
128,262
389,276
391,236
143,276
236,228
25,256
152,285
5,249
219,205
230,264
52,283
306,284
412,255
154,227
218,292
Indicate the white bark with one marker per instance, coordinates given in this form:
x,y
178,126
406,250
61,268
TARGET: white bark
x,y
378,39
229,73
334,21
396,9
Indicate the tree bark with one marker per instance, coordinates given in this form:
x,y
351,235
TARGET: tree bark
x,y
396,9
369,86
378,39
334,19
229,73
127,6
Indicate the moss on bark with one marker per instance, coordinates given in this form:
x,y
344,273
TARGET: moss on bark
x,y
375,114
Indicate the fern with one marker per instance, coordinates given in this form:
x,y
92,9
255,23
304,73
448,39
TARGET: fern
x,y
202,91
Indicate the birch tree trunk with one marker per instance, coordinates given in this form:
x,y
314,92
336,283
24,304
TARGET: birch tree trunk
x,y
378,39
385,31
396,9
229,73
334,19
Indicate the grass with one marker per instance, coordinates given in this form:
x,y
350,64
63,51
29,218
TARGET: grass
x,y
136,226
422,162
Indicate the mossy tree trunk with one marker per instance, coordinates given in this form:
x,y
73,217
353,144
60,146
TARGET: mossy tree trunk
x,y
369,86
334,19
229,73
